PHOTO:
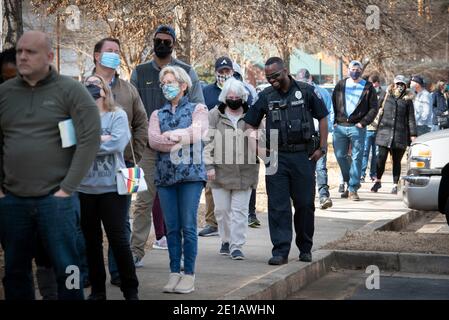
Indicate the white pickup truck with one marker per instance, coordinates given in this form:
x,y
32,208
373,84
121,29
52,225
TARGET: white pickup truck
x,y
427,156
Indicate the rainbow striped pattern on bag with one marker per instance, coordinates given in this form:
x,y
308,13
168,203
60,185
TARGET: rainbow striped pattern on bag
x,y
133,179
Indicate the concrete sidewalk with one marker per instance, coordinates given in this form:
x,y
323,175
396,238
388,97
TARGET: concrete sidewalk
x,y
219,277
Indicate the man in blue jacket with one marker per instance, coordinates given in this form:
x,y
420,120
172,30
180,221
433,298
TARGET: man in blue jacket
x,y
321,165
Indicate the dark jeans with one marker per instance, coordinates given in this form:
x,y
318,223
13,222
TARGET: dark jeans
x,y
56,220
295,179
158,218
109,209
397,155
252,203
45,275
112,264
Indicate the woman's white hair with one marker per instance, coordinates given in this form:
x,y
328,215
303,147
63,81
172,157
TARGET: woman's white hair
x,y
235,86
179,73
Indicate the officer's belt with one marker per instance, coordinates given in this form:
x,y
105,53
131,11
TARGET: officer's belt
x,y
293,148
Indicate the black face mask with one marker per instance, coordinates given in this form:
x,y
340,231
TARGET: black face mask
x,y
234,104
95,91
162,50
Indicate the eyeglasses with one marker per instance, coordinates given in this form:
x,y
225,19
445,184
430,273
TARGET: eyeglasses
x,y
274,76
163,84
94,81
166,42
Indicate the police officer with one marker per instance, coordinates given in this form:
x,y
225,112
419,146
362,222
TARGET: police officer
x,y
289,107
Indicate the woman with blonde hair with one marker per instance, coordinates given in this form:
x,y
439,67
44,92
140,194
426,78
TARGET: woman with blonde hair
x,y
99,200
176,131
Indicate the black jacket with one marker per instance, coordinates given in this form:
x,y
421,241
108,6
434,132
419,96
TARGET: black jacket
x,y
366,109
439,105
397,122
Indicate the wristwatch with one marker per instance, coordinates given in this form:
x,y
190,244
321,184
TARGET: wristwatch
x,y
323,150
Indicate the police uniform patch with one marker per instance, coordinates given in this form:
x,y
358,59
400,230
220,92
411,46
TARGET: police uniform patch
x,y
298,94
317,92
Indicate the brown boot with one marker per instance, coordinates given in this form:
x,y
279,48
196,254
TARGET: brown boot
x,y
354,196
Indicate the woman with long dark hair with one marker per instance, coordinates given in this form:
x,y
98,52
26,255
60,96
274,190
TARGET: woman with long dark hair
x,y
397,128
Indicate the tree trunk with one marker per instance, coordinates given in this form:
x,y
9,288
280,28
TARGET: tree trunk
x,y
14,22
184,48
285,52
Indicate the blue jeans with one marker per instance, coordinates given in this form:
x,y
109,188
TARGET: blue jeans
x,y
179,204
370,145
321,177
343,136
57,222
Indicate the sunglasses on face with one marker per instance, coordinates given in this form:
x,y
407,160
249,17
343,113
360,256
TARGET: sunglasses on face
x,y
273,76
166,42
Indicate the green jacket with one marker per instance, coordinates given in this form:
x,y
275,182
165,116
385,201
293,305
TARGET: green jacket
x,y
226,143
32,160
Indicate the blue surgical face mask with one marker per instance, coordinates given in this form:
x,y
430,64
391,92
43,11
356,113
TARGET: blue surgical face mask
x,y
110,60
171,91
355,74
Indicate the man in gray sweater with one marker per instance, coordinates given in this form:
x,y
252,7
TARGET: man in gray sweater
x,y
146,79
39,171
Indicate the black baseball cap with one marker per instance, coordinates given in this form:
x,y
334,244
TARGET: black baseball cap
x,y
163,28
418,79
223,62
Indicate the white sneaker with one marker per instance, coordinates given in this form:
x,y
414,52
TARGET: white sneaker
x,y
186,284
160,244
138,263
173,281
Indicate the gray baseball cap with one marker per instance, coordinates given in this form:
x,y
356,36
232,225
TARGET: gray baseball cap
x,y
400,79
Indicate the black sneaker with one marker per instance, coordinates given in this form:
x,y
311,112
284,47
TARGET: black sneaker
x,y
208,231
237,255
97,296
345,194
362,179
224,250
277,260
116,281
305,257
376,187
253,222
394,190
341,188
131,296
